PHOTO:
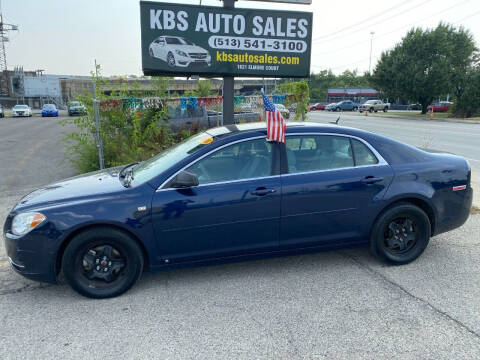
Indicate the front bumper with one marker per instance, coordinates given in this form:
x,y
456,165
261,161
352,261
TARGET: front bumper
x,y
30,256
49,113
188,61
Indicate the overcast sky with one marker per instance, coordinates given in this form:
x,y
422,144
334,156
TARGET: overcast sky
x,y
65,36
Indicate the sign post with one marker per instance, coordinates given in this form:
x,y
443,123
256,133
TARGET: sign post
x,y
228,92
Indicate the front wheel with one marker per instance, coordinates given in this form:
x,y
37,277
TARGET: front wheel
x,y
102,263
385,109
370,110
401,234
355,109
171,60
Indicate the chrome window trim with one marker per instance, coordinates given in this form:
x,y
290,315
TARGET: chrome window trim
x,y
381,160
160,188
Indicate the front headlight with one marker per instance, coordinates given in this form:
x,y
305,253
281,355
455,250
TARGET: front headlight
x,y
181,53
25,222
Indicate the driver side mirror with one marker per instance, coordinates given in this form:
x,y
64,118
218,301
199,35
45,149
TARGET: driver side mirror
x,y
184,179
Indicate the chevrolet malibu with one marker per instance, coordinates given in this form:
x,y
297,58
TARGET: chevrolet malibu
x,y
227,194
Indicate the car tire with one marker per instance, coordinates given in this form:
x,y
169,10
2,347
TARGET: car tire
x,y
171,60
400,234
355,109
102,262
385,109
370,110
337,109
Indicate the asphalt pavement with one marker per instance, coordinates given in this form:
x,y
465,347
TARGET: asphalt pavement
x,y
331,305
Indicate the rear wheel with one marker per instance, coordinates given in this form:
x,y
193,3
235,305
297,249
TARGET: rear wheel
x,y
401,234
355,108
102,263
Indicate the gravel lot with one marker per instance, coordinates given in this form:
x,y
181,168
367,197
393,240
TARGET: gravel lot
x,y
334,305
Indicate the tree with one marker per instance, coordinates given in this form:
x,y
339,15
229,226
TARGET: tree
x,y
320,82
426,64
299,98
204,87
468,104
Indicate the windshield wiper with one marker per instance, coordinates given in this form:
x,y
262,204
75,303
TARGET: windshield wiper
x,y
122,172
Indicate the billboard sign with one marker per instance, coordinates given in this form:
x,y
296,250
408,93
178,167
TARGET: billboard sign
x,y
179,39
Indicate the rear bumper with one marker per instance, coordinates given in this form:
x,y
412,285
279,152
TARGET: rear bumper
x,y
456,211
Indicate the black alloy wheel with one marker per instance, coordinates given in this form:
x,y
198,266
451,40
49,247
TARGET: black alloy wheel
x,y
400,234
102,262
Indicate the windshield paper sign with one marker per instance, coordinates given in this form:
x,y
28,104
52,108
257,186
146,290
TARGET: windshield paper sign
x,y
181,39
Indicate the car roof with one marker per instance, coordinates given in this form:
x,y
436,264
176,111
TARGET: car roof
x,y
292,127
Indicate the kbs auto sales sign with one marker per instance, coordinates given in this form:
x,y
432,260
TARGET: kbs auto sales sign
x,y
180,39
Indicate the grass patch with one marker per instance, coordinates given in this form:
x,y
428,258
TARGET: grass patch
x,y
475,210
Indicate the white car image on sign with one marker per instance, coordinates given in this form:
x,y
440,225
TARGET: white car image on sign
x,y
178,51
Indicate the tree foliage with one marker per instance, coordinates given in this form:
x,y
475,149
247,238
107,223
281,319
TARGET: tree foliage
x,y
131,130
321,81
426,65
299,98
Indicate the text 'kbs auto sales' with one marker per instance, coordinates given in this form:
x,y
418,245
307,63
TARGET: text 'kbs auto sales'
x,y
213,41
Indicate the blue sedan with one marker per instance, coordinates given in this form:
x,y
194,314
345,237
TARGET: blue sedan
x,y
227,194
49,110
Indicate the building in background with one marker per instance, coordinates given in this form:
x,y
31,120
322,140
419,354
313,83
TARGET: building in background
x,y
35,89
356,95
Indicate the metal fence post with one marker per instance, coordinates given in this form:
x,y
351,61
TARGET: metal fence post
x,y
228,116
96,114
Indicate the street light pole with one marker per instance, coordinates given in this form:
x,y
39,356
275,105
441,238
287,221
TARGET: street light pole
x,y
371,46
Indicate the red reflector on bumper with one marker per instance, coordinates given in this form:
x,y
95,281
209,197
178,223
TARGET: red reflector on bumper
x,y
461,187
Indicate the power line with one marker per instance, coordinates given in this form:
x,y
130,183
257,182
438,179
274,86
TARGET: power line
x,y
365,20
375,23
398,29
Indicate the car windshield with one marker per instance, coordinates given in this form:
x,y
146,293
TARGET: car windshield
x,y
49,106
156,165
75,103
177,41
21,107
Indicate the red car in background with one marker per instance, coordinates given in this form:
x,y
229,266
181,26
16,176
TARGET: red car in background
x,y
316,106
442,106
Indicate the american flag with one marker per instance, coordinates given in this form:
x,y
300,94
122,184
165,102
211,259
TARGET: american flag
x,y
276,124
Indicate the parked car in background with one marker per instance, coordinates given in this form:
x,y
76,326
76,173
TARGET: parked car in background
x,y
21,110
76,108
2,114
49,110
374,106
316,106
330,107
285,112
442,106
327,187
346,105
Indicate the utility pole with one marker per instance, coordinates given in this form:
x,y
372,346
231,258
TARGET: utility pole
x,y
228,85
4,29
96,114
371,46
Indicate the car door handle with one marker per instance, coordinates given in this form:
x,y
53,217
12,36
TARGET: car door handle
x,y
371,179
262,191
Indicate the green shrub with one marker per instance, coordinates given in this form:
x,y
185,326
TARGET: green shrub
x,y
128,134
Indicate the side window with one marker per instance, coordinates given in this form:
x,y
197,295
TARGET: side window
x,y
244,160
363,155
324,152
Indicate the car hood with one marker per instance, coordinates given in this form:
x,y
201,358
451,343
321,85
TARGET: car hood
x,y
189,48
78,188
